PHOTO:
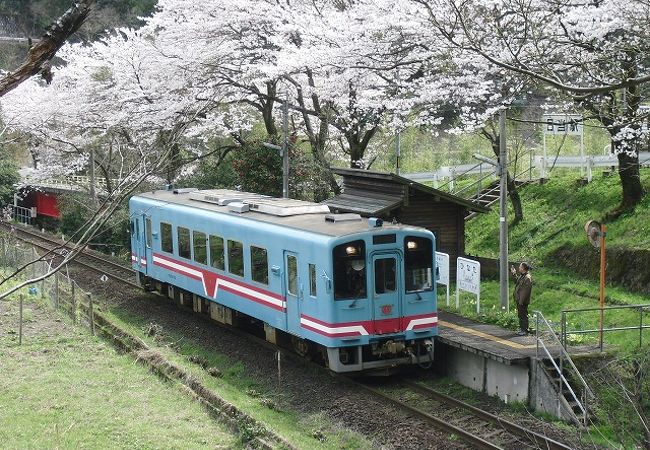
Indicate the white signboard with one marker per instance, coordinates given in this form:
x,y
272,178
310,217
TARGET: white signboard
x,y
570,124
468,278
442,264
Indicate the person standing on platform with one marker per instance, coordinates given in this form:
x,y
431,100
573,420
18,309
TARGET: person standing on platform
x,y
523,288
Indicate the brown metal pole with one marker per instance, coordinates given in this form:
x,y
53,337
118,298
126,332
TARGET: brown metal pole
x,y
603,234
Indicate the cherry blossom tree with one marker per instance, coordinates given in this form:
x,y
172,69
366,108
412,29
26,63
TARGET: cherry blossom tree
x,y
592,52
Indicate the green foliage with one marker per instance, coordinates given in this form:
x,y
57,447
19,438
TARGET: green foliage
x,y
75,210
258,169
8,178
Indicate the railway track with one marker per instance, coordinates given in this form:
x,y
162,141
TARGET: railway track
x,y
476,427
473,425
87,259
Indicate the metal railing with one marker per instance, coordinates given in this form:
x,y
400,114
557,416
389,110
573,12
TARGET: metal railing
x,y
565,332
564,362
72,182
23,215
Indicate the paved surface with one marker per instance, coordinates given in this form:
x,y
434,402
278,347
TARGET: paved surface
x,y
487,340
493,341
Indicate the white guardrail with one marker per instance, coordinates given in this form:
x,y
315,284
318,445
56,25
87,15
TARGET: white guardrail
x,y
70,183
543,164
451,173
586,162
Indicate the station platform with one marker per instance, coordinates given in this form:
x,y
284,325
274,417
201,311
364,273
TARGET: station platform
x,y
489,341
498,362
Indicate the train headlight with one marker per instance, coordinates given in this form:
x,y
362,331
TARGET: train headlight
x,y
411,245
351,250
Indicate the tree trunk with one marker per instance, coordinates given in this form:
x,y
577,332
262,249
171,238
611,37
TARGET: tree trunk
x,y
513,192
515,200
628,171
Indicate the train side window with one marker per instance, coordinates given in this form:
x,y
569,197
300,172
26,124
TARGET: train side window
x,y
199,241
184,250
217,252
236,258
292,275
312,280
418,265
133,228
166,239
259,265
350,270
147,222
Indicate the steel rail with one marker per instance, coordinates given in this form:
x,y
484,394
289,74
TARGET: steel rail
x,y
77,260
472,439
535,438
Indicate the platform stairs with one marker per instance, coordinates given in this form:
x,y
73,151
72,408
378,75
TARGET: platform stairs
x,y
573,395
488,194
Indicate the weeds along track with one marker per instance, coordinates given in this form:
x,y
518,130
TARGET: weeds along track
x,y
474,426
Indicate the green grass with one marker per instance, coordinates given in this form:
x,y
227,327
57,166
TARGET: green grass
x,y
554,215
67,389
236,385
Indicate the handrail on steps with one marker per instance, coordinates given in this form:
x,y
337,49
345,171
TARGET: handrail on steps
x,y
563,357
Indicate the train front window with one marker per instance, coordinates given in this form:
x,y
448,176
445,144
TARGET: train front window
x,y
418,264
385,275
350,270
166,240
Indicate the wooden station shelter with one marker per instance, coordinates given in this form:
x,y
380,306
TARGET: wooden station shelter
x,y
392,197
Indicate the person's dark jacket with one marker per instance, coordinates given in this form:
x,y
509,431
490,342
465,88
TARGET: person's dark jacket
x,y
523,288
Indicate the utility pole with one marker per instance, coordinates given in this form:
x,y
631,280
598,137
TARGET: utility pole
x,y
285,150
399,152
503,214
91,175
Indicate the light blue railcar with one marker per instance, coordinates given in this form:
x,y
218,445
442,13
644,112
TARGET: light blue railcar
x,y
361,293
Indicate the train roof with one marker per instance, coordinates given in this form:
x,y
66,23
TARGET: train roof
x,y
297,214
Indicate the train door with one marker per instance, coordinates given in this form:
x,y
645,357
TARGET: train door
x,y
387,292
145,244
292,291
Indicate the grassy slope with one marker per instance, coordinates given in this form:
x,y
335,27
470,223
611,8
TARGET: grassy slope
x,y
65,389
554,214
236,385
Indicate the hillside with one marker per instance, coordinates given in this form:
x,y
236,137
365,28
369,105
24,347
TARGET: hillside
x,y
552,232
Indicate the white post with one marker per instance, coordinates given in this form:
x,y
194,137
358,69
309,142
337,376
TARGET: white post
x,y
447,294
582,151
503,213
285,150
452,176
398,152
543,168
457,297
